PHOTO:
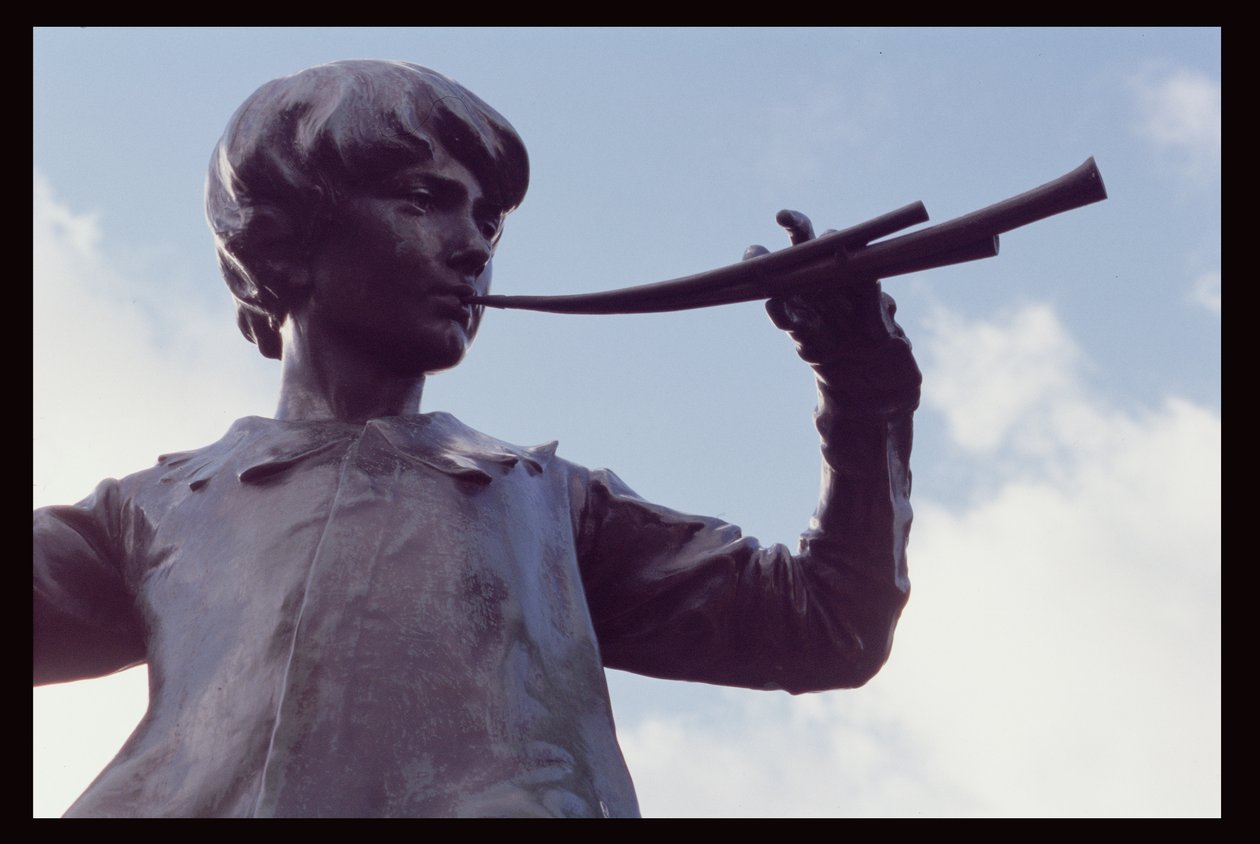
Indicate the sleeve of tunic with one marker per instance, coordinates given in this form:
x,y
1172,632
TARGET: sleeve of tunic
x,y
85,619
690,598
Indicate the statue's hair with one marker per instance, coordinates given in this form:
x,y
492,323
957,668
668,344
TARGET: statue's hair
x,y
299,142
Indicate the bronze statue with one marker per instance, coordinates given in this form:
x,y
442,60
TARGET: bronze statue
x,y
359,609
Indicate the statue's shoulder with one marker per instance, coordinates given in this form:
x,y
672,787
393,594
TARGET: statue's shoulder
x,y
152,489
194,468
450,433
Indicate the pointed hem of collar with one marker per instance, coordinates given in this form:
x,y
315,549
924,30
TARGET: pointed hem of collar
x,y
257,449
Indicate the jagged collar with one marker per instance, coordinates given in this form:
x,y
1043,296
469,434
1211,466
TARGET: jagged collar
x,y
256,450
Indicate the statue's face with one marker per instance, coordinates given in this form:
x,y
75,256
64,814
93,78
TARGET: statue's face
x,y
397,259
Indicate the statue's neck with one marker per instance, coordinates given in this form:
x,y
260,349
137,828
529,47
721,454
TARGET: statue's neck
x,y
325,381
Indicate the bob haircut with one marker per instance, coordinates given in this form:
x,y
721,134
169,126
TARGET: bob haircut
x,y
302,141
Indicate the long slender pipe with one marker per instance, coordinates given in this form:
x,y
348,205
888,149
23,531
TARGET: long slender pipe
x,y
846,256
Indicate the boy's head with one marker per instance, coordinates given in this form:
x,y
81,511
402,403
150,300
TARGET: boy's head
x,y
301,143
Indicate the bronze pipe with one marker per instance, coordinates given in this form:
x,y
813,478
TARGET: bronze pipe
x,y
846,256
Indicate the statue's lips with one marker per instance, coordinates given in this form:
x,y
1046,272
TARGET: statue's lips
x,y
463,292
451,303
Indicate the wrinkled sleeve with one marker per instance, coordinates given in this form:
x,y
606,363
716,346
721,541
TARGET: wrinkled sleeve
x,y
690,598
85,621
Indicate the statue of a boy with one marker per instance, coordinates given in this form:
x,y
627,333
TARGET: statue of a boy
x,y
355,609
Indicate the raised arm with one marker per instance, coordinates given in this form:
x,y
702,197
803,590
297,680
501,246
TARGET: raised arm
x,y
685,597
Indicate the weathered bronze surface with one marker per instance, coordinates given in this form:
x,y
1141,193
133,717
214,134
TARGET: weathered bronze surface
x,y
359,609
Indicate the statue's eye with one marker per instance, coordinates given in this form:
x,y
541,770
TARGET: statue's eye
x,y
421,200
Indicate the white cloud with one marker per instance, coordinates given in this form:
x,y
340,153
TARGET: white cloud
x,y
1206,291
78,729
755,755
1072,624
1180,113
1012,384
1061,652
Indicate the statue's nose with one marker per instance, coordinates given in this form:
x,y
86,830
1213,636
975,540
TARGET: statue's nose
x,y
470,259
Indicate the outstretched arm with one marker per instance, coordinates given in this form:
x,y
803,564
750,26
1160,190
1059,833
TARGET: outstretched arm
x,y
84,619
690,598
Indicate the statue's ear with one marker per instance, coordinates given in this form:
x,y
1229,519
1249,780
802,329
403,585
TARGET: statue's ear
x,y
284,272
275,257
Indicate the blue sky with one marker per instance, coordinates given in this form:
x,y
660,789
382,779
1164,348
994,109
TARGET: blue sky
x,y
1060,654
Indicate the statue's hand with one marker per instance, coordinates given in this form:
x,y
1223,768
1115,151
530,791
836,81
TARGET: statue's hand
x,y
845,331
